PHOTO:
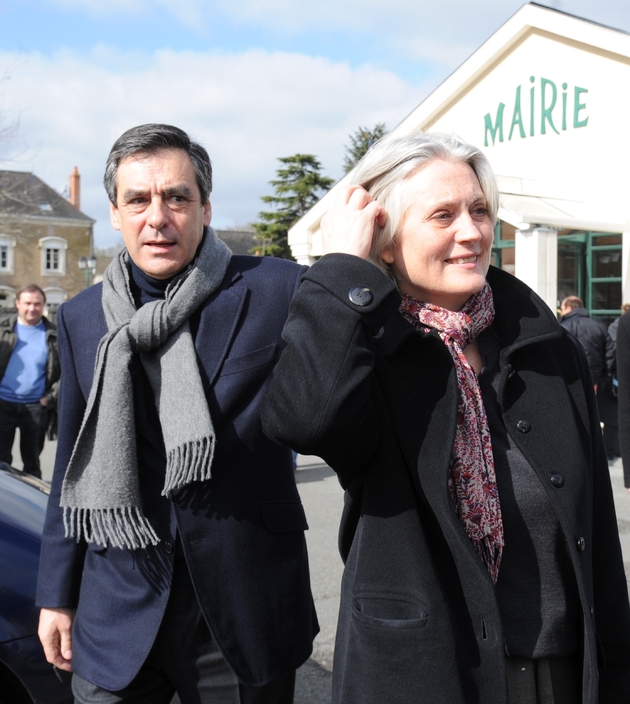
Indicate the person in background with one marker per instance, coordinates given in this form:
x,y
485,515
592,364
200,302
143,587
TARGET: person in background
x,y
612,328
590,333
608,392
173,557
600,353
481,549
29,378
623,397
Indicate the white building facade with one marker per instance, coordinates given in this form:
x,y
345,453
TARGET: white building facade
x,y
547,99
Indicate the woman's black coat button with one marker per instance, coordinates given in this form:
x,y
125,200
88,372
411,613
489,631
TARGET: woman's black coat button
x,y
168,548
581,544
361,296
557,480
524,426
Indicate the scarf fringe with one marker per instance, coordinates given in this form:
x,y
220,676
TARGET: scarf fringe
x,y
123,527
190,462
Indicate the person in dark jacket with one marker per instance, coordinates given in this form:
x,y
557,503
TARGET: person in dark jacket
x,y
599,348
590,333
608,392
482,556
623,398
29,378
173,557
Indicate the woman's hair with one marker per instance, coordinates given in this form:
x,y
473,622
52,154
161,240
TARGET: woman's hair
x,y
385,169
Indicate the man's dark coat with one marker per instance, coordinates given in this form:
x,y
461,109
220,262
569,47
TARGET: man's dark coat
x,y
242,531
591,334
357,386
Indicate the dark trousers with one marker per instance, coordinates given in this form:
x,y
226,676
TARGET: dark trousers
x,y
545,681
185,667
31,419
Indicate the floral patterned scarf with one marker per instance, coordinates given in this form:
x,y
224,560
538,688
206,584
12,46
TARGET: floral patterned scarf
x,y
472,481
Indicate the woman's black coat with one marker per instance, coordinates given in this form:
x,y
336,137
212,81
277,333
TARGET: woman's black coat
x,y
377,401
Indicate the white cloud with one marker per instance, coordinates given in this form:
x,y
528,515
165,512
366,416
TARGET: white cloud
x,y
248,109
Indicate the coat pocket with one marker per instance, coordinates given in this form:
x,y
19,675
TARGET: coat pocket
x,y
283,516
251,360
389,611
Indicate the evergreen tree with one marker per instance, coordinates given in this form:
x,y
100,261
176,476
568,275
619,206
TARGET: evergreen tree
x,y
298,186
360,142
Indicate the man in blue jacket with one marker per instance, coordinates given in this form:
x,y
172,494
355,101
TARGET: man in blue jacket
x,y
29,378
173,557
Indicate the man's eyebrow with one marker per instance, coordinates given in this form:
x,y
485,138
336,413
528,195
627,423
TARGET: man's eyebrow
x,y
131,193
178,190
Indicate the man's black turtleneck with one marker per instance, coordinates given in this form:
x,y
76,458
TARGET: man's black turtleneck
x,y
145,288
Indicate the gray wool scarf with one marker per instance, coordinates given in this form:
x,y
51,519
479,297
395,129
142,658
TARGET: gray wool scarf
x,y
100,495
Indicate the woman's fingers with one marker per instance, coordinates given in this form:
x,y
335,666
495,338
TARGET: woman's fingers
x,y
348,226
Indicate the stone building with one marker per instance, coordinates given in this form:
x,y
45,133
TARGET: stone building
x,y
239,241
42,238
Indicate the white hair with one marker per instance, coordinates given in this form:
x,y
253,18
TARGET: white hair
x,y
386,167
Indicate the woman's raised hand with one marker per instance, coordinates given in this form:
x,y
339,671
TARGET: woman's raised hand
x,y
348,227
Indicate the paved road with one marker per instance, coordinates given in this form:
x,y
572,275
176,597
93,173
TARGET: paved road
x,y
323,501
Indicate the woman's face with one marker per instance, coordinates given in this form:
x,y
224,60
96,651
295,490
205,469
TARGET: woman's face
x,y
442,251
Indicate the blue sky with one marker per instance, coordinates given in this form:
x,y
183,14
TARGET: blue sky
x,y
252,79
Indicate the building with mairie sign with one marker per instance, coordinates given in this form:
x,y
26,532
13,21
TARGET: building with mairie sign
x,y
546,98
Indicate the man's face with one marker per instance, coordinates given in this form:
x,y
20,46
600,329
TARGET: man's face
x,y
30,307
159,211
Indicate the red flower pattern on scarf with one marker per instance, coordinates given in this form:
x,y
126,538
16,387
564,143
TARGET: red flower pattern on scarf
x,y
472,480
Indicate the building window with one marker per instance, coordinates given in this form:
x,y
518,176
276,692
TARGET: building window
x,y
590,266
55,296
53,255
7,298
52,258
7,245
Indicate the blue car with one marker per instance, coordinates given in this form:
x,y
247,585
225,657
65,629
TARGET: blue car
x,y
25,676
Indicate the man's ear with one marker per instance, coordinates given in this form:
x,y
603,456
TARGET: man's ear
x,y
114,217
207,213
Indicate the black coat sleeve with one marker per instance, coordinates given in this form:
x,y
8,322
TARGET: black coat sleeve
x,y
319,401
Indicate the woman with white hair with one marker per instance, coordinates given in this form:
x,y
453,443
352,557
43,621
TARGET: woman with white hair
x,y
482,558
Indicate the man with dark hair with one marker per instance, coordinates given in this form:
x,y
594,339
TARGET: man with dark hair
x,y
173,557
29,378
